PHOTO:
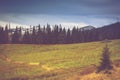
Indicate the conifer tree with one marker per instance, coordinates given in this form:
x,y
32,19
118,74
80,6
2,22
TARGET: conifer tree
x,y
33,36
6,35
105,64
20,34
55,34
48,34
39,37
1,35
26,37
68,36
16,36
62,36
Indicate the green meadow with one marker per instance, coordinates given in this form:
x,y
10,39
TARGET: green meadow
x,y
51,62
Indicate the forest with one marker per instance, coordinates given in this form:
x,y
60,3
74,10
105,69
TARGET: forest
x,y
57,34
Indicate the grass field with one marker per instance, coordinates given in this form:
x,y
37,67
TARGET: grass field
x,y
51,62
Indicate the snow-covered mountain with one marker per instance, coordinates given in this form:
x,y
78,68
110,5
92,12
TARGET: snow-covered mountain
x,y
88,28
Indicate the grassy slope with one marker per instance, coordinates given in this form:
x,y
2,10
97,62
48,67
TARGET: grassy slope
x,y
115,75
52,58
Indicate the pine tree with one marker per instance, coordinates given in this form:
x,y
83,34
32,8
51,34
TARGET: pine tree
x,y
39,36
105,64
33,36
80,36
55,34
6,35
20,35
68,36
48,34
16,36
74,35
44,35
26,37
62,36
1,35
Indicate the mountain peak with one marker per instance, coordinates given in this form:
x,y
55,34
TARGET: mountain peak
x,y
89,27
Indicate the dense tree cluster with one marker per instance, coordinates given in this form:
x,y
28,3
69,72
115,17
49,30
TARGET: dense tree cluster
x,y
57,34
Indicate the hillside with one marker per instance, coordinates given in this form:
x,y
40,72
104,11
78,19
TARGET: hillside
x,y
111,31
52,62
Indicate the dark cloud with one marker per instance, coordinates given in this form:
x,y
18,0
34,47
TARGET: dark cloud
x,y
61,7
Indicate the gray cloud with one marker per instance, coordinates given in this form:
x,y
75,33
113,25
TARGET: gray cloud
x,y
94,12
61,7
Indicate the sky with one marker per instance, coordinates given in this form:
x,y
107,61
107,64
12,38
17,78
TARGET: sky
x,y
68,13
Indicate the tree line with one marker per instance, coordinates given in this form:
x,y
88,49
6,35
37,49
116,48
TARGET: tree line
x,y
58,34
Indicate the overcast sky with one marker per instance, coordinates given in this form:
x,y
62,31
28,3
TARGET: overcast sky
x,y
66,12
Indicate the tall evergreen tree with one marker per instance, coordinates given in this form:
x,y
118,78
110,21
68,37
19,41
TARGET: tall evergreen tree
x,y
26,37
33,36
1,35
68,36
48,34
55,34
16,36
44,35
6,35
62,36
39,38
74,35
80,35
20,35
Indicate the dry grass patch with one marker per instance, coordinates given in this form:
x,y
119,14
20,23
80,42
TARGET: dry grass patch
x,y
34,63
47,68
